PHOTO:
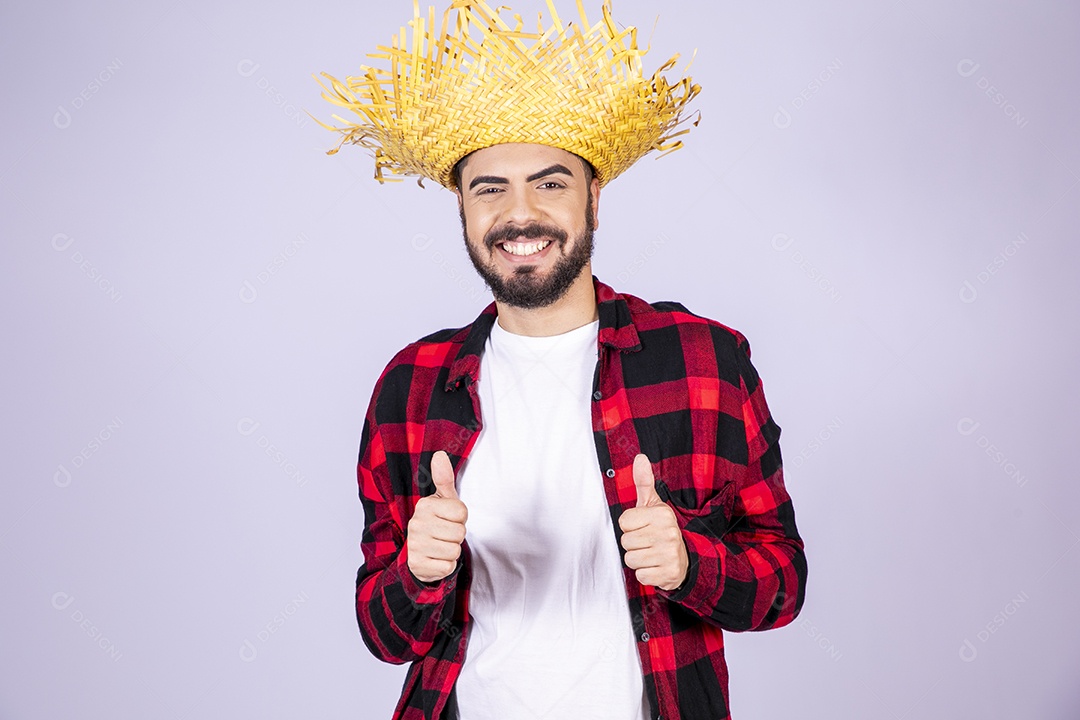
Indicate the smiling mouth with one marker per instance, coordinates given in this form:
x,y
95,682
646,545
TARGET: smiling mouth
x,y
524,249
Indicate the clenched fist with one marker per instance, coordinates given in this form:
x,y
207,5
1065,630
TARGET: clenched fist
x,y
437,526
654,544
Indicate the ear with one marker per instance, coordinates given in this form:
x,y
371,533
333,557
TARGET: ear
x,y
594,189
461,210
460,201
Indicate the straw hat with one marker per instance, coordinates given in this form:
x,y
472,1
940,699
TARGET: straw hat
x,y
478,81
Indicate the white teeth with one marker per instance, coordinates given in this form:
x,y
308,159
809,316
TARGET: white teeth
x,y
525,249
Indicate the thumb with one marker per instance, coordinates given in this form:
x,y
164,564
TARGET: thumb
x,y
645,482
442,472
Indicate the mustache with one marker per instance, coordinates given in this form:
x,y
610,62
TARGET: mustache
x,y
533,231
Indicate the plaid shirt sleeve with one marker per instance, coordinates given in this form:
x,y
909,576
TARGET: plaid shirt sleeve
x,y
399,616
681,389
747,569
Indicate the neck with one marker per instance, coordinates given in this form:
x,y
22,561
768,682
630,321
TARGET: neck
x,y
573,310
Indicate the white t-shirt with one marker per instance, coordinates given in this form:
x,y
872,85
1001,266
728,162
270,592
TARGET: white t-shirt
x,y
551,633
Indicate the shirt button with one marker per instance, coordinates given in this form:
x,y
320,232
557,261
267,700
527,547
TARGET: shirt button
x,y
610,472
597,395
644,637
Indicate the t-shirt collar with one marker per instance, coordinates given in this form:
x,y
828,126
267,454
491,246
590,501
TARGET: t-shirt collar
x,y
616,331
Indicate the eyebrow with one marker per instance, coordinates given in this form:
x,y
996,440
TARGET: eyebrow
x,y
557,168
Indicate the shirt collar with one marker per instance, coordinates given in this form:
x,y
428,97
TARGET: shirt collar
x,y
616,331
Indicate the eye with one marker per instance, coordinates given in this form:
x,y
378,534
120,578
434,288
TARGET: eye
x,y
551,184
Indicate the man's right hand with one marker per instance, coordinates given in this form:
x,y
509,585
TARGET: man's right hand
x,y
437,526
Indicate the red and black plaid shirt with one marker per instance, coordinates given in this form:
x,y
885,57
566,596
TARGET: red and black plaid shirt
x,y
675,386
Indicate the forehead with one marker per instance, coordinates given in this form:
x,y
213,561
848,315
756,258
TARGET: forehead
x,y
512,160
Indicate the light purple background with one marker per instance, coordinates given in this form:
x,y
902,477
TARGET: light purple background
x,y
189,280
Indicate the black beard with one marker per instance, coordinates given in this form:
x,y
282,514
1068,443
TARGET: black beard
x,y
523,289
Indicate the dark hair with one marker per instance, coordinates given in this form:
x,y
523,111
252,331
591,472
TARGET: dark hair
x,y
459,166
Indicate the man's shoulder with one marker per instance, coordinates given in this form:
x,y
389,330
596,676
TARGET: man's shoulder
x,y
679,336
665,315
415,371
435,349
435,354
452,336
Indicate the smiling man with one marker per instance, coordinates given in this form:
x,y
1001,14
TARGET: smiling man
x,y
569,499
529,212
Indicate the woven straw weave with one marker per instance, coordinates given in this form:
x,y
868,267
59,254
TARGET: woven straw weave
x,y
476,82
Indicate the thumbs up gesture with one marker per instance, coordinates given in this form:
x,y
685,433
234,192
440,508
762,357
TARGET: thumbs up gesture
x,y
437,527
654,544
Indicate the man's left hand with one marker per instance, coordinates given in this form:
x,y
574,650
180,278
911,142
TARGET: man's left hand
x,y
654,544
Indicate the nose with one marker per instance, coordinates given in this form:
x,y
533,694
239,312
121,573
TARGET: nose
x,y
522,208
